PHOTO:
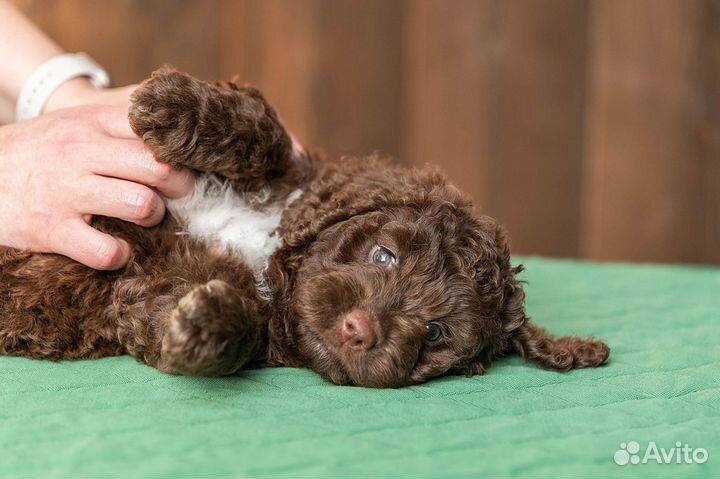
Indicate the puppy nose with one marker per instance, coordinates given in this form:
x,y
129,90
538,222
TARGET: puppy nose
x,y
357,330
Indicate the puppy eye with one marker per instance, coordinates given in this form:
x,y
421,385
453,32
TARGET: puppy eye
x,y
432,331
384,257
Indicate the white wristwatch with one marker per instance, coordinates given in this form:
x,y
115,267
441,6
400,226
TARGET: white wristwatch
x,y
50,75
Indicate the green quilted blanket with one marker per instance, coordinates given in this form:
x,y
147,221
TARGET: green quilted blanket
x,y
117,418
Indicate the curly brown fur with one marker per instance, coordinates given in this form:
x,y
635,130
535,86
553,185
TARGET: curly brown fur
x,y
55,308
221,128
385,275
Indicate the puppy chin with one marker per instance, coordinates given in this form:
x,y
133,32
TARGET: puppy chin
x,y
374,368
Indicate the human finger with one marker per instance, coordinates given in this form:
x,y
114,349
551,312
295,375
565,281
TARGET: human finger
x,y
130,160
79,241
120,199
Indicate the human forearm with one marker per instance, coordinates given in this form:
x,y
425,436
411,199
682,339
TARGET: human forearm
x,y
23,48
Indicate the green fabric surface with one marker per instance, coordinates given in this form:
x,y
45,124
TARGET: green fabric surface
x,y
117,418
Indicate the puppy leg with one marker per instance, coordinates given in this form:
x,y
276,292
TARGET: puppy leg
x,y
211,332
562,354
189,311
222,128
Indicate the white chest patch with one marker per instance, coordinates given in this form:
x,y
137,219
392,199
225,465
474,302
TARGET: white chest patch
x,y
217,214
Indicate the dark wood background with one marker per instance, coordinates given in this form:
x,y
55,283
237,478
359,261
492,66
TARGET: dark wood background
x,y
590,128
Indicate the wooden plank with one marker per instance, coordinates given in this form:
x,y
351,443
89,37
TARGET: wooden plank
x,y
644,158
711,132
184,33
132,38
114,32
356,93
272,45
495,96
331,68
539,124
449,92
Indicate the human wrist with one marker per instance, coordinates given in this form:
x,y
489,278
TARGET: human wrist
x,y
54,74
74,92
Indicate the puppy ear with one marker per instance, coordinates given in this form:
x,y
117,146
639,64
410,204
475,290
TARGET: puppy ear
x,y
525,338
562,354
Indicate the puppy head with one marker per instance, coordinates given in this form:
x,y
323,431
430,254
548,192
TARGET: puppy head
x,y
411,285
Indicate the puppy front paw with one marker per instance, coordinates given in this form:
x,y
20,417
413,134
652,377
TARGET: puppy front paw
x,y
217,128
165,112
211,332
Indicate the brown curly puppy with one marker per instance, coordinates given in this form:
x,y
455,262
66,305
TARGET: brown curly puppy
x,y
368,273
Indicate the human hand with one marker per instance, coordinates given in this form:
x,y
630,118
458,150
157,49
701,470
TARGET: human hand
x,y
58,170
79,92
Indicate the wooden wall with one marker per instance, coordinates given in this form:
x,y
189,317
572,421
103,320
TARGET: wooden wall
x,y
590,128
